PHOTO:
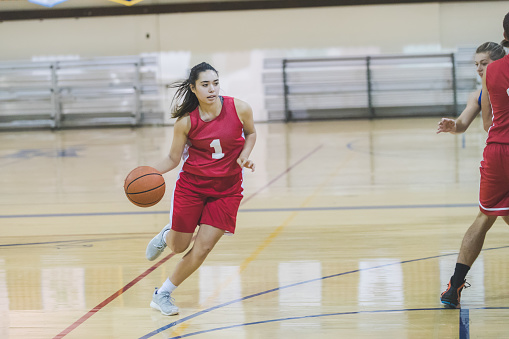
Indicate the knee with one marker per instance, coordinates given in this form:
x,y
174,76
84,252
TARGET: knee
x,y
178,248
484,222
202,251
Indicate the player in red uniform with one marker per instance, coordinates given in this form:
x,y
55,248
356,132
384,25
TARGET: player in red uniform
x,y
494,185
214,135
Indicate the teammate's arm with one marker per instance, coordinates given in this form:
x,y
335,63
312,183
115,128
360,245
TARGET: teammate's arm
x,y
466,117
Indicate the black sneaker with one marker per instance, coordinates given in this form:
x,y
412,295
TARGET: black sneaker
x,y
451,297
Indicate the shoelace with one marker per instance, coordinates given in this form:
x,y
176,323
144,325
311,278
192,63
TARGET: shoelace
x,y
168,296
467,285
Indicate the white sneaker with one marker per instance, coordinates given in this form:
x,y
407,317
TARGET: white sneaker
x,y
163,302
157,245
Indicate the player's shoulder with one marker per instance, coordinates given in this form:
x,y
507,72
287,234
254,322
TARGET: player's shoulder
x,y
241,106
183,123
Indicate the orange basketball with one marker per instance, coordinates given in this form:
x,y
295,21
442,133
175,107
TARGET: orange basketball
x,y
144,186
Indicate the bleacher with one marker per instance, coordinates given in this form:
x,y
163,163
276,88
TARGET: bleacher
x,y
78,93
124,91
368,87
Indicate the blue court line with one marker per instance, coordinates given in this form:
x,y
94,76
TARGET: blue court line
x,y
462,311
303,317
246,210
464,326
210,309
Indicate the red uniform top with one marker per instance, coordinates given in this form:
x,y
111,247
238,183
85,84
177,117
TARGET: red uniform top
x,y
497,82
214,146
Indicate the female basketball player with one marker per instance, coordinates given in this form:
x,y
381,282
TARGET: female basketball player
x,y
214,135
494,185
484,55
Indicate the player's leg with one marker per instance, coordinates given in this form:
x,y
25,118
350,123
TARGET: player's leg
x,y
186,210
178,242
473,239
206,238
187,207
219,215
471,246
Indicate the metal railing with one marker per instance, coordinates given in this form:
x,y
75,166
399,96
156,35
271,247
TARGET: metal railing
x,y
362,87
72,93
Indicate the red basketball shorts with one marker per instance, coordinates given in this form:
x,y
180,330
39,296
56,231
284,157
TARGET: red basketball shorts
x,y
205,200
494,187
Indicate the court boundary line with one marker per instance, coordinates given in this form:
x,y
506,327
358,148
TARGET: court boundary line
x,y
153,267
464,326
67,242
306,317
210,309
466,333
249,210
112,297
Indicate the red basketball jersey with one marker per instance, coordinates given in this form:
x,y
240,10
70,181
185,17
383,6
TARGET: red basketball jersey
x,y
497,82
214,146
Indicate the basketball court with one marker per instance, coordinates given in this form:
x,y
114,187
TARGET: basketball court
x,y
348,229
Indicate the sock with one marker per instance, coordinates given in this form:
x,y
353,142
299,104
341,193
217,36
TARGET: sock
x,y
167,287
460,272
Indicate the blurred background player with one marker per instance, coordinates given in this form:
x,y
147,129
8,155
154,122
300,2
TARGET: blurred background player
x,y
484,55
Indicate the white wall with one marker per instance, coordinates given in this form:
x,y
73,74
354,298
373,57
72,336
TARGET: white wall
x,y
236,42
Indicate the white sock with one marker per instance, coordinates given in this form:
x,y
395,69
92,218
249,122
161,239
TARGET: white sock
x,y
167,287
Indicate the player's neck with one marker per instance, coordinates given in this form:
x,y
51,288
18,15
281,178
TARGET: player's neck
x,y
210,111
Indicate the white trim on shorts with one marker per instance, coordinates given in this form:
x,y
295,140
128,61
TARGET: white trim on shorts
x,y
493,209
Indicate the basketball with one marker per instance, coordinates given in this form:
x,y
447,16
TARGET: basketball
x,y
144,186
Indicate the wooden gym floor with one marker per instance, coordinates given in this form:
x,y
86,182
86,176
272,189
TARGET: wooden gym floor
x,y
348,229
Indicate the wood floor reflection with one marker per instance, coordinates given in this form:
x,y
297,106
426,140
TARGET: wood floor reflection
x,y
348,229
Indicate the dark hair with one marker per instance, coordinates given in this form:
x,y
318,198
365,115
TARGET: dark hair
x,y
504,42
185,101
494,50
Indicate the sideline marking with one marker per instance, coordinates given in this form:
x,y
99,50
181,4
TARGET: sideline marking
x,y
249,210
464,326
112,297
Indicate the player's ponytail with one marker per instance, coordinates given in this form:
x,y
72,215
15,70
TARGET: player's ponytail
x,y
505,42
185,101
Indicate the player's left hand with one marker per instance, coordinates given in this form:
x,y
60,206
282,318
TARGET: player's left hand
x,y
246,163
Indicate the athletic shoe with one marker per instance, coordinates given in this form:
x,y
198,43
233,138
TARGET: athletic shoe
x,y
156,245
451,296
163,302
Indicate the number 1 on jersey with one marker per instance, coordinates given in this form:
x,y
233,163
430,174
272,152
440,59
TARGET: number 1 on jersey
x,y
218,151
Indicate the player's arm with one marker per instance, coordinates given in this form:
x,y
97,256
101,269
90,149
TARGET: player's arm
x,y
245,114
487,116
180,131
466,117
